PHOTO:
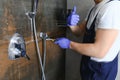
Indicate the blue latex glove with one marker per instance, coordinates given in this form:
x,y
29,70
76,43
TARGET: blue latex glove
x,y
73,18
63,42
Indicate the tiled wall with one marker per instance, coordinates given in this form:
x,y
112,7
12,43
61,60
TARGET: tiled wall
x,y
13,18
50,18
50,15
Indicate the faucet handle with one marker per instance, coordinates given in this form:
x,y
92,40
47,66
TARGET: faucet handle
x,y
43,35
17,47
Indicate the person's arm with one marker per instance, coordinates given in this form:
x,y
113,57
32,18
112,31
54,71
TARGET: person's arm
x,y
78,30
103,42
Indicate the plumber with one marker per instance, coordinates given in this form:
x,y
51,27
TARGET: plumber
x,y
101,41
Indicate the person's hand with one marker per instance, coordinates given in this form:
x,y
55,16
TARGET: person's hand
x,y
63,42
73,18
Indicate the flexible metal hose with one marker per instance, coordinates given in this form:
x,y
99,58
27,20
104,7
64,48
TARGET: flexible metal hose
x,y
37,46
31,16
36,39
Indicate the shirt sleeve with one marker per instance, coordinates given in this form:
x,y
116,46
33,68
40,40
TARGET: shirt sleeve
x,y
109,17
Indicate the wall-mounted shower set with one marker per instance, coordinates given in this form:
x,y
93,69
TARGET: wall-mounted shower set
x,y
17,45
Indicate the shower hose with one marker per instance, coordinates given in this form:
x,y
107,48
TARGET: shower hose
x,y
31,16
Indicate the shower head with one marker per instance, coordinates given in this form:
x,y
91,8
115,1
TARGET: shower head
x,y
17,47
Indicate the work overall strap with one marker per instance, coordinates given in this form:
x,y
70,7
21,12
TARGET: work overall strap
x,y
90,33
